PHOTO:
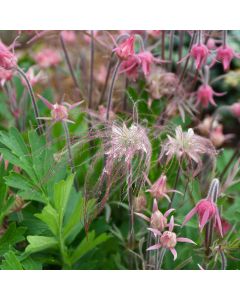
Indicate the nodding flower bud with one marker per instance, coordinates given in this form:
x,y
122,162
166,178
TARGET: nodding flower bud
x,y
158,221
205,95
225,55
147,60
207,208
125,49
7,59
168,239
200,53
59,112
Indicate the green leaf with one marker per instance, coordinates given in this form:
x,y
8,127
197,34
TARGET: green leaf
x,y
88,244
39,243
61,194
50,217
12,236
11,262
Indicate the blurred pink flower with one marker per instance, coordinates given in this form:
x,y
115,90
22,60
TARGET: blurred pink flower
x,y
33,79
147,60
225,55
169,239
69,36
47,58
7,59
131,66
226,226
59,112
5,75
125,49
205,95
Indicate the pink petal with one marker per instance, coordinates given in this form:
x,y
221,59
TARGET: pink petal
x,y
154,247
219,223
167,213
75,104
174,253
143,217
155,206
185,240
171,223
46,102
189,215
204,219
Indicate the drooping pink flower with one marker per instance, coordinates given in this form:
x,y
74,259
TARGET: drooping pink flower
x,y
59,112
130,66
147,60
69,36
199,52
211,44
159,189
169,239
125,49
207,209
48,58
225,55
205,95
5,75
7,59
157,220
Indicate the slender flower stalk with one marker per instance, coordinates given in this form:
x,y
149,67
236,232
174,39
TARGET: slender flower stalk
x,y
109,101
90,92
34,104
69,62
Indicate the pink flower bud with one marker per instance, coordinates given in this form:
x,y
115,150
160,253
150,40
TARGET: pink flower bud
x,y
146,59
5,75
159,188
225,54
168,239
130,66
125,49
200,53
158,221
59,112
69,36
204,206
205,95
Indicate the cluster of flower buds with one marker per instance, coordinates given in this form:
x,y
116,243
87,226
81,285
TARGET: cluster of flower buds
x,y
168,239
131,61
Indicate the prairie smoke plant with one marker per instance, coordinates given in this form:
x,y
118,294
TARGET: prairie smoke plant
x,y
189,147
205,95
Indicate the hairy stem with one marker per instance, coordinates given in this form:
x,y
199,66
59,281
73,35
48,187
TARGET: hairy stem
x,y
131,211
